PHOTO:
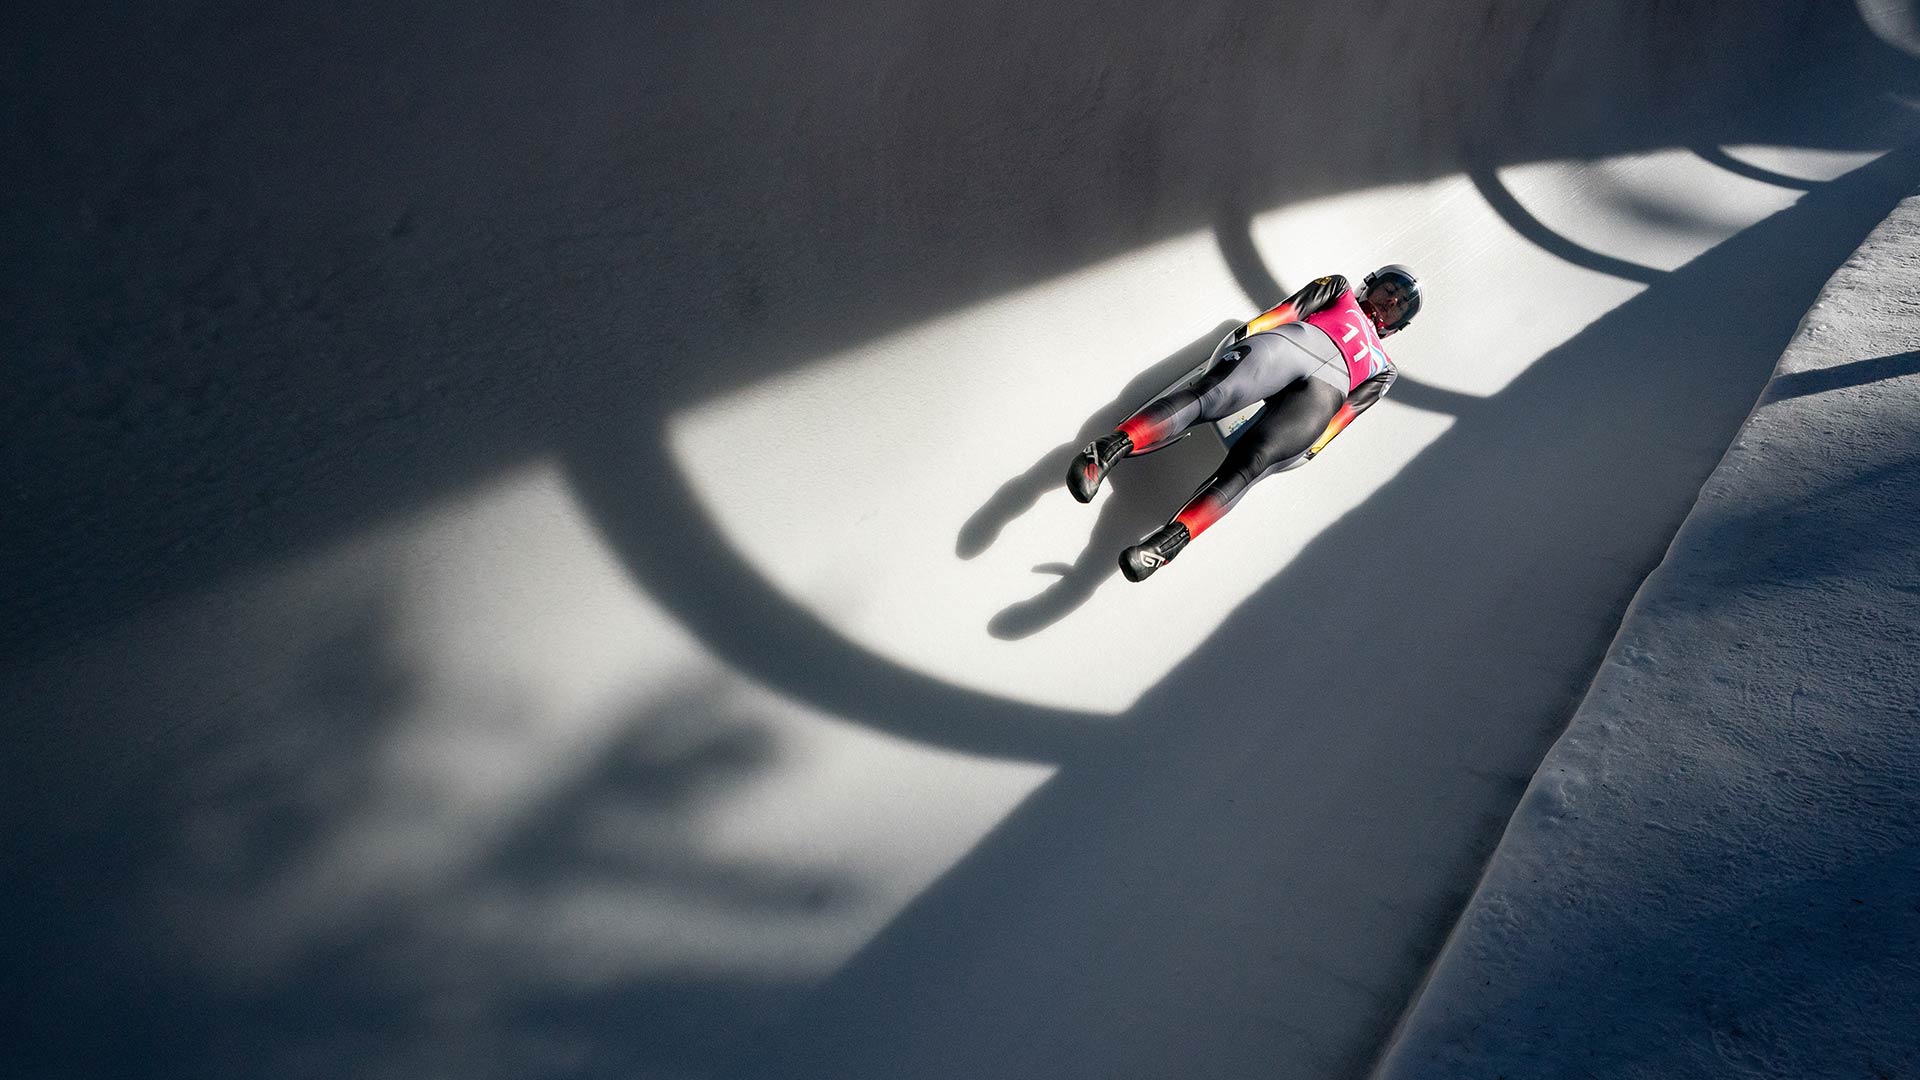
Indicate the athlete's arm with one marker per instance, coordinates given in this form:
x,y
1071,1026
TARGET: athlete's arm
x,y
1317,294
1360,400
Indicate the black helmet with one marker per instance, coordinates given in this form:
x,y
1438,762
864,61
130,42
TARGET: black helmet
x,y
1403,297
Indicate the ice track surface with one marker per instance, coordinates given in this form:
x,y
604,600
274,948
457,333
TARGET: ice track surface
x,y
536,543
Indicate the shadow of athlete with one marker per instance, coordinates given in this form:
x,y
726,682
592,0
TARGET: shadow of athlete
x,y
1131,510
1309,365
1019,494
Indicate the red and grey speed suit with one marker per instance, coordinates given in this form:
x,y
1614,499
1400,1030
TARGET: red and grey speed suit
x,y
1317,362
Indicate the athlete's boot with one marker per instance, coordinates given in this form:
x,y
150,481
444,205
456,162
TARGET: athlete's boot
x,y
1091,465
1157,550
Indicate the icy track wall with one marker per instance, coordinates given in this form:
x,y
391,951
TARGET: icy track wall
x,y
416,211
1713,872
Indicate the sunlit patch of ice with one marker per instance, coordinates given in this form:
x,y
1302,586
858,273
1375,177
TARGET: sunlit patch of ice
x,y
870,463
886,450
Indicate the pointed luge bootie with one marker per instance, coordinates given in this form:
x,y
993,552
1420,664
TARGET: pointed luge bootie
x,y
1157,550
1091,464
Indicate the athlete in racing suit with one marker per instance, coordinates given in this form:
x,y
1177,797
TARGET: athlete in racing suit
x,y
1315,359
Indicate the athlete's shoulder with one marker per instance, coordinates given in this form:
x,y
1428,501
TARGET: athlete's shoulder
x,y
1320,293
1374,388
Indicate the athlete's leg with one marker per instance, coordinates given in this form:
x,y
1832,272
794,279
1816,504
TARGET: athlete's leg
x,y
1159,420
1251,371
1254,370
1165,417
1293,419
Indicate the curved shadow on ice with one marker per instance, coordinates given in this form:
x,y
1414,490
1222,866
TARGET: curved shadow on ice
x,y
1233,236
1486,180
1714,155
704,581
